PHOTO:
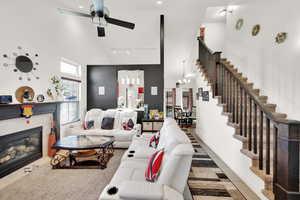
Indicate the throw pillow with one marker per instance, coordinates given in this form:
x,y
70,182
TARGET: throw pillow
x,y
88,124
107,123
128,125
153,169
154,140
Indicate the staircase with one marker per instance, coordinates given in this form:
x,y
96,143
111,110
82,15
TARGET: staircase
x,y
268,138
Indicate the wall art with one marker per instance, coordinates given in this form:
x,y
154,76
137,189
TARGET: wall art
x,y
24,64
281,37
239,24
255,30
24,94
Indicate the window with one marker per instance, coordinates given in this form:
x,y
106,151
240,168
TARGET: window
x,y
70,68
70,108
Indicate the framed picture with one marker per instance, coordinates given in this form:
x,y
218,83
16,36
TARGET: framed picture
x,y
205,96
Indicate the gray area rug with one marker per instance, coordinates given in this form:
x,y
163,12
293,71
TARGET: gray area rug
x,y
62,184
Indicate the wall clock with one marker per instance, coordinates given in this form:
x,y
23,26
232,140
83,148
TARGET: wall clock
x,y
239,24
255,30
281,37
24,64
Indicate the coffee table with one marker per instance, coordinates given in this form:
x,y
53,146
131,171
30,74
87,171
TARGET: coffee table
x,y
82,151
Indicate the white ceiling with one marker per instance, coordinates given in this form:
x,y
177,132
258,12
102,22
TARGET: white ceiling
x,y
141,46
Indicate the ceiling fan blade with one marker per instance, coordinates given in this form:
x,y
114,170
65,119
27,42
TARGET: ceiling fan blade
x,y
101,31
72,12
119,22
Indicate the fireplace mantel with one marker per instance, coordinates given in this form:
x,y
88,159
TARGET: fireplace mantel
x,y
13,111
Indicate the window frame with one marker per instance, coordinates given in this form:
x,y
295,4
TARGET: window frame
x,y
66,76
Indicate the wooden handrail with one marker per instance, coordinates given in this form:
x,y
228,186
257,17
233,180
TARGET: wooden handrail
x,y
255,97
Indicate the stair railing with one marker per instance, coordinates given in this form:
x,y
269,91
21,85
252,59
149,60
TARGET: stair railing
x,y
270,138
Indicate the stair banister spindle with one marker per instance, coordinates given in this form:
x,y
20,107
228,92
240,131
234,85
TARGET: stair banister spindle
x,y
268,146
250,125
233,100
245,114
260,146
255,129
241,111
237,102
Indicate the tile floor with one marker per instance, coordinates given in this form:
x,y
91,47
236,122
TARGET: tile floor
x,y
206,180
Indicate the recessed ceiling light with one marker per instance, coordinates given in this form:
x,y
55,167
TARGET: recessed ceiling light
x,y
80,7
159,2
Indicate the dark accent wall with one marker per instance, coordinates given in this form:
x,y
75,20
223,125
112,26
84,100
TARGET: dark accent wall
x,y
106,75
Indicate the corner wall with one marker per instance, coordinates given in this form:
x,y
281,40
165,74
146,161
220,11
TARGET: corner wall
x,y
213,130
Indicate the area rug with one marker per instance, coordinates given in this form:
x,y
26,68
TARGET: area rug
x,y
206,180
43,183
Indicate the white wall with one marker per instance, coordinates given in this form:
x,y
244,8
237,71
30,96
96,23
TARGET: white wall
x,y
273,67
38,27
215,35
213,130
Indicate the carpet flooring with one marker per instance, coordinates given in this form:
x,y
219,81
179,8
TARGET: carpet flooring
x,y
206,180
44,183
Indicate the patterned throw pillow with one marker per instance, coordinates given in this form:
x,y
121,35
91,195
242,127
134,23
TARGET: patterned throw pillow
x,y
153,169
89,125
154,140
128,125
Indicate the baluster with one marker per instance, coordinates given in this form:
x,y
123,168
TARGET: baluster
x,y
237,103
241,111
228,99
255,129
275,135
245,114
228,109
224,85
230,92
268,146
261,156
226,90
250,125
233,100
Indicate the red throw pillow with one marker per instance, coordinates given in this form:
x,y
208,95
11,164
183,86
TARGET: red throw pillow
x,y
154,165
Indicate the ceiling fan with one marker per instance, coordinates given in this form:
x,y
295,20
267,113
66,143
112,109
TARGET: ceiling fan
x,y
100,16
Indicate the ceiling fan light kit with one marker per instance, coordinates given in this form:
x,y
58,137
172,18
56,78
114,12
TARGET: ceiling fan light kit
x,y
101,13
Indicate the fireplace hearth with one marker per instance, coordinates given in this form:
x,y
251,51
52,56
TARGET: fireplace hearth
x,y
20,149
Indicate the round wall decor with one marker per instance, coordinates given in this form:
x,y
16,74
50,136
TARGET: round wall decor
x,y
255,30
281,37
40,98
24,63
24,94
239,24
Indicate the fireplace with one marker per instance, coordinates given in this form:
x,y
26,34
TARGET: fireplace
x,y
20,149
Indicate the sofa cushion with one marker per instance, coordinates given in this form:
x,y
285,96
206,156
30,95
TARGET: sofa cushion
x,y
153,169
107,123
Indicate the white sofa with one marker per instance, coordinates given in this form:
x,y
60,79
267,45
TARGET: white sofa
x,y
129,181
123,138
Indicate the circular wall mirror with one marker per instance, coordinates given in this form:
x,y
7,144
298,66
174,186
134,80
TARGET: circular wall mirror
x,y
24,64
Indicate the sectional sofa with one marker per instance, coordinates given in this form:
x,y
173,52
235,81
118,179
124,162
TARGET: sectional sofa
x,y
129,181
123,138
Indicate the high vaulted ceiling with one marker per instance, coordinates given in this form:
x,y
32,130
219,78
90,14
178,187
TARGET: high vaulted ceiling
x,y
141,46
